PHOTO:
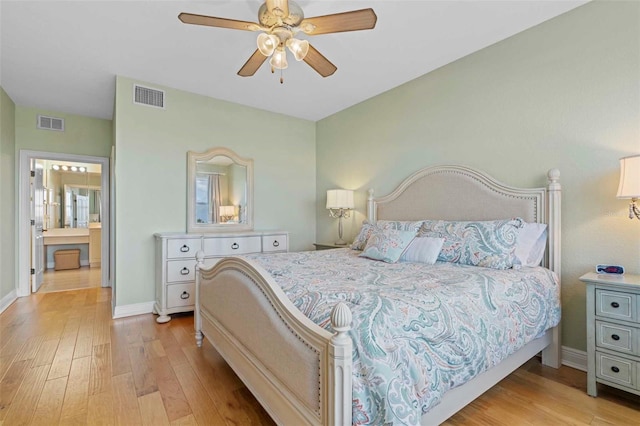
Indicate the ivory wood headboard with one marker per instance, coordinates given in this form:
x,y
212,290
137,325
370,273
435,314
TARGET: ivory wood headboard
x,y
453,192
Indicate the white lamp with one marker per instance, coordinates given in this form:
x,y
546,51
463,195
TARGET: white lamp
x,y
629,186
227,213
339,202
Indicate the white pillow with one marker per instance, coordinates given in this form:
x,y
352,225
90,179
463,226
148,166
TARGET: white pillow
x,y
532,241
423,250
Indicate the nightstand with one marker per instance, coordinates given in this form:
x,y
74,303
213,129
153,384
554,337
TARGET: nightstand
x,y
320,246
613,331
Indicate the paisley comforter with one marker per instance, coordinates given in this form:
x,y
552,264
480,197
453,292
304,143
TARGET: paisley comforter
x,y
418,330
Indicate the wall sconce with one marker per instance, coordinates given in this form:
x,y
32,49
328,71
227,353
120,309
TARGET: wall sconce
x,y
227,213
630,183
339,202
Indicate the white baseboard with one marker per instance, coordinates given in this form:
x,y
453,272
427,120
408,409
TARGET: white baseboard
x,y
133,309
7,300
574,358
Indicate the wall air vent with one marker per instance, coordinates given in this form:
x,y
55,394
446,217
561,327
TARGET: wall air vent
x,y
148,96
50,123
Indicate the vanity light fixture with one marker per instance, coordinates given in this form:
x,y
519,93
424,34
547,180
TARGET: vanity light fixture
x,y
66,168
339,202
629,186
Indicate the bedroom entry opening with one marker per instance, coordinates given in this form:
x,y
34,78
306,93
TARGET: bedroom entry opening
x,y
63,222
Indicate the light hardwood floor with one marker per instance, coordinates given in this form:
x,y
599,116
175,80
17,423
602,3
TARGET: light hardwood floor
x,y
70,279
63,360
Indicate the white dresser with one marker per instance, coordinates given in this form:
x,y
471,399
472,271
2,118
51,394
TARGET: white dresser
x,y
613,331
176,261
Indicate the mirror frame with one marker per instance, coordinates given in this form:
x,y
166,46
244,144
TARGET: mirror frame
x,y
192,160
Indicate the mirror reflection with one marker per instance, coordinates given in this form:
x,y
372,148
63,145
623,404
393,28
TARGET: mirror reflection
x,y
221,191
72,196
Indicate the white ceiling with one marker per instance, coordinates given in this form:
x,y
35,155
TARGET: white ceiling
x,y
64,55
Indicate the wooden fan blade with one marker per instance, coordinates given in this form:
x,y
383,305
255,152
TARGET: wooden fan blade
x,y
278,7
364,19
318,62
251,66
212,21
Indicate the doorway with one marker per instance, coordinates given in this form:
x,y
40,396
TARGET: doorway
x,y
61,215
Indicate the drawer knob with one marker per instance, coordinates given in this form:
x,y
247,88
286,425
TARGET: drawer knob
x,y
276,243
615,337
184,248
235,246
185,295
184,271
615,369
615,304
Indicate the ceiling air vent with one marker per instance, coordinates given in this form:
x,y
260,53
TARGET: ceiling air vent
x,y
148,96
50,123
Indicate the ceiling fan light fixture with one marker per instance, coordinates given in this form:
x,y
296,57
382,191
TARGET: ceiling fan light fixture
x,y
267,43
279,59
299,48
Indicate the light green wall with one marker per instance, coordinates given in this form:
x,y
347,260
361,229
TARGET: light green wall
x,y
81,136
151,171
7,195
563,94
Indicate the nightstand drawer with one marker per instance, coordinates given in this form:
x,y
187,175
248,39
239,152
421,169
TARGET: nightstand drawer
x,y
615,369
183,247
614,304
181,295
620,338
181,270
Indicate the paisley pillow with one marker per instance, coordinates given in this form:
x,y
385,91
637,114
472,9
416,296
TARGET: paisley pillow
x,y
400,225
387,244
490,244
365,232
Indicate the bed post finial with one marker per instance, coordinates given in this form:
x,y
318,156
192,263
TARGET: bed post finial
x,y
340,369
197,323
371,213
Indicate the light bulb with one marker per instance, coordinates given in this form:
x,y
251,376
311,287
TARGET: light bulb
x,y
279,59
74,169
82,169
267,43
55,167
299,48
65,168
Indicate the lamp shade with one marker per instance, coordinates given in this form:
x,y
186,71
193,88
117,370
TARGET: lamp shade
x,y
340,199
227,210
629,186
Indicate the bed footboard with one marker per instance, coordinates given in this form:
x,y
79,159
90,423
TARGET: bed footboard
x,y
299,372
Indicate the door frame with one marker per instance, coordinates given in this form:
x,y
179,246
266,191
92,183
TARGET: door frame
x,y
23,283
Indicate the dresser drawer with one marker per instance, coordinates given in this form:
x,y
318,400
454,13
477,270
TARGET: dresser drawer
x,y
620,338
614,304
181,295
230,246
181,270
183,248
273,243
616,369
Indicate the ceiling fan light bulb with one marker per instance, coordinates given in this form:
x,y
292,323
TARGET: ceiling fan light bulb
x,y
279,59
299,48
267,43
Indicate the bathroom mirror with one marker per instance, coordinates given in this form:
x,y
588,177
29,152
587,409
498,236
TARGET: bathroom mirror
x,y
220,191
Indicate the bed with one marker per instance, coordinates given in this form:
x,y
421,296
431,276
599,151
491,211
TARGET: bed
x,y
303,373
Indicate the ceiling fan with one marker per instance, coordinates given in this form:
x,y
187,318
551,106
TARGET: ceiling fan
x,y
281,21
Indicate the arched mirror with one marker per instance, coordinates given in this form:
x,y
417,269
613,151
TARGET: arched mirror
x,y
220,191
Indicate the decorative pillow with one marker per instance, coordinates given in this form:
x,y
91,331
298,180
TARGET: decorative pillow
x,y
400,225
423,250
387,244
360,241
490,244
532,241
